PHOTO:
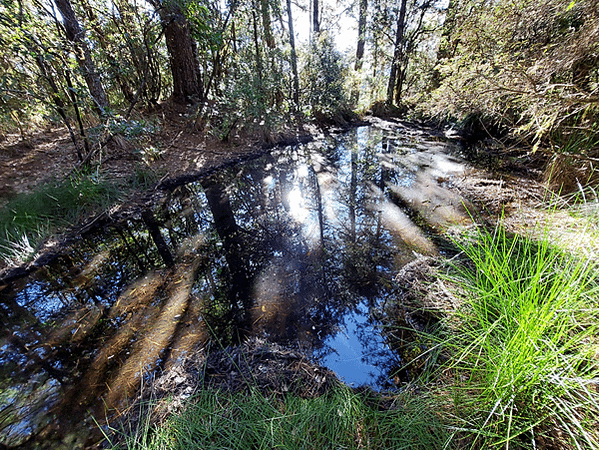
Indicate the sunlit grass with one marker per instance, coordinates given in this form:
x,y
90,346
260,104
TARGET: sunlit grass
x,y
341,419
525,353
28,218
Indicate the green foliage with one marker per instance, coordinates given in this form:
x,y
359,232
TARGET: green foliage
x,y
340,419
524,344
28,218
527,66
323,80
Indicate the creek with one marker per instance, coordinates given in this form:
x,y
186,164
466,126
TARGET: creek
x,y
299,246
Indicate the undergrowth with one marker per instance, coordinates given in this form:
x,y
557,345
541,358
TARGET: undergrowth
x,y
342,418
28,219
524,352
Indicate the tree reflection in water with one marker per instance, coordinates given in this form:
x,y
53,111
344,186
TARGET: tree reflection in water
x,y
299,246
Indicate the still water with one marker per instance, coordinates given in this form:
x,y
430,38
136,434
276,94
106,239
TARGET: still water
x,y
299,246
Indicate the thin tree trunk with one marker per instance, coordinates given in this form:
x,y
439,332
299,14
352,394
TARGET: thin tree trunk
x,y
75,35
259,67
293,55
397,52
58,103
111,58
315,18
355,96
73,97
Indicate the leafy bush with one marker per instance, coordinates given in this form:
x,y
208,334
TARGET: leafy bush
x,y
527,66
323,80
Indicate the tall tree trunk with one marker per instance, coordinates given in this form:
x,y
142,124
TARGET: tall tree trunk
x,y
315,18
75,35
361,34
266,24
293,55
183,55
355,96
397,52
259,66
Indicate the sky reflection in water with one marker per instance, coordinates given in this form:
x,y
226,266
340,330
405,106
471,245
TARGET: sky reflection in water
x,y
307,239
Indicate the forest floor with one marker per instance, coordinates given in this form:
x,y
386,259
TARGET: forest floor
x,y
512,188
173,148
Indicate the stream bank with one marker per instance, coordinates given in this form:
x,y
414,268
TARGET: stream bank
x,y
318,231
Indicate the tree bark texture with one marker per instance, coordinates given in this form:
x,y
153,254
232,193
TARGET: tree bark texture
x,y
397,52
185,66
75,35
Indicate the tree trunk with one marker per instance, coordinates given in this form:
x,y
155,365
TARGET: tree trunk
x,y
293,55
185,66
361,34
259,67
355,96
315,18
266,24
58,103
75,35
397,52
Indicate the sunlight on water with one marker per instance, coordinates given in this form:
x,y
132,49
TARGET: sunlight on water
x,y
297,207
299,246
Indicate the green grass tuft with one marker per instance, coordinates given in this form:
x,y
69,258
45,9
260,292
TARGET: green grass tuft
x,y
342,419
525,351
28,218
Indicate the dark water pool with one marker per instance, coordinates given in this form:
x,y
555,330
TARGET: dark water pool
x,y
299,246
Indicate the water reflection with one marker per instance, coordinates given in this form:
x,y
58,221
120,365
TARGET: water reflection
x,y
299,246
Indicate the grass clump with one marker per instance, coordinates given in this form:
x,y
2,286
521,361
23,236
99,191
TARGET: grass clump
x,y
29,218
342,418
525,348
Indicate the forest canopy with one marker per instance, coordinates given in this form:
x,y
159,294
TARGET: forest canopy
x,y
523,71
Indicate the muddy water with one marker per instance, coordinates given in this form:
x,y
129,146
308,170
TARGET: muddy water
x,y
299,246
